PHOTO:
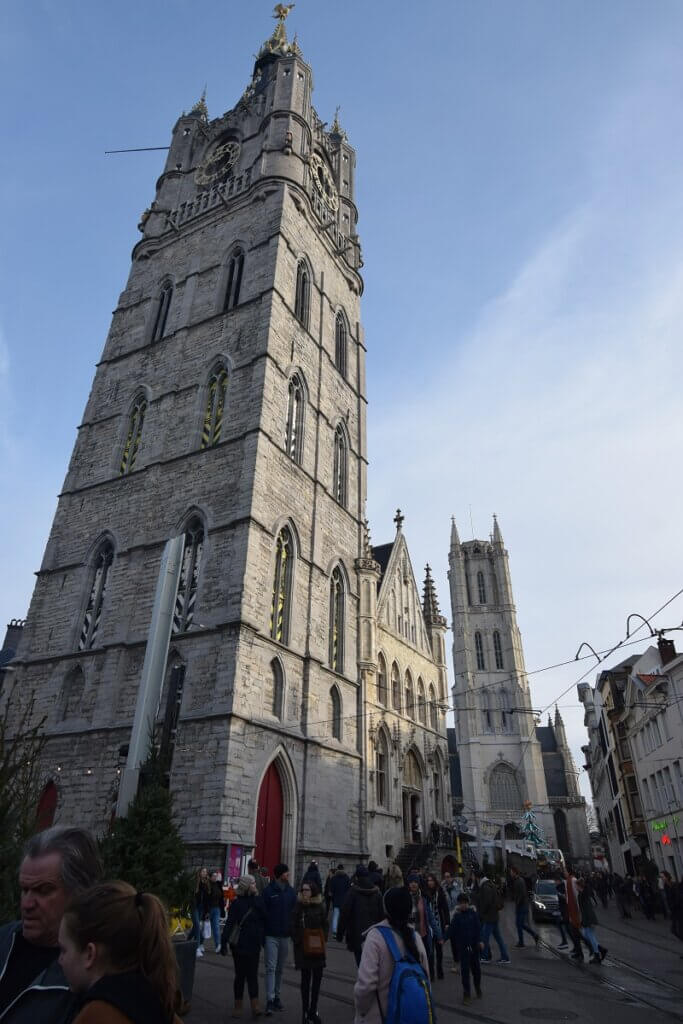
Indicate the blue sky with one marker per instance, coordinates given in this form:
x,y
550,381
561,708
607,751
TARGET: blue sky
x,y
521,213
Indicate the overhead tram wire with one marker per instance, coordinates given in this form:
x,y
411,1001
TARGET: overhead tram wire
x,y
139,149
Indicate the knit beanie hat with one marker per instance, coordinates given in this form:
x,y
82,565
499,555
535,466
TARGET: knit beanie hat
x,y
362,871
244,885
398,904
414,877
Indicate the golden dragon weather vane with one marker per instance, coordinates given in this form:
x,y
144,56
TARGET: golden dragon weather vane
x,y
281,11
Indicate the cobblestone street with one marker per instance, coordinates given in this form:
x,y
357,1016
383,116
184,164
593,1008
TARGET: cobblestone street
x,y
642,975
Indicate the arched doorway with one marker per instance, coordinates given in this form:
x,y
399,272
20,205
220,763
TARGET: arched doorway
x,y
47,805
413,826
268,849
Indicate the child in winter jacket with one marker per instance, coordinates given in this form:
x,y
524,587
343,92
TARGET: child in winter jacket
x,y
465,931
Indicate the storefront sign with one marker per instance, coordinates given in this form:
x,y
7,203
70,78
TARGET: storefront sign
x,y
660,826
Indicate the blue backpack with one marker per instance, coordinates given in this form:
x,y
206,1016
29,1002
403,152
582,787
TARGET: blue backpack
x,y
410,997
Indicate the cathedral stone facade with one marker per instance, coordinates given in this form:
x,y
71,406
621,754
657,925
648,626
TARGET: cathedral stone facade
x,y
228,409
505,759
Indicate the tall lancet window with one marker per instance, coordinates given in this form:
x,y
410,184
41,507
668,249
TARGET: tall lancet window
x,y
486,711
282,587
421,703
273,690
336,713
93,611
382,695
337,620
497,649
395,688
295,419
235,271
215,407
183,613
302,297
381,768
479,651
163,306
433,716
133,437
340,466
505,710
481,587
340,343
410,696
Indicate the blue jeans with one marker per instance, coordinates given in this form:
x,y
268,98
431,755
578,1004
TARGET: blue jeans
x,y
196,932
276,955
488,930
335,920
589,936
522,924
215,918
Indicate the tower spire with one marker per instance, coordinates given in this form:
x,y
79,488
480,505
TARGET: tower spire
x,y
455,537
430,602
497,535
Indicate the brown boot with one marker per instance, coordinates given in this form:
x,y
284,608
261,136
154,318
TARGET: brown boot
x,y
256,1010
237,1011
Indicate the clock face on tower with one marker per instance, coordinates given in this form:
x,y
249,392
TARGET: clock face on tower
x,y
217,164
324,182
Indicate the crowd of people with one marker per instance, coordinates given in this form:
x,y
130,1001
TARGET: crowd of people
x,y
91,951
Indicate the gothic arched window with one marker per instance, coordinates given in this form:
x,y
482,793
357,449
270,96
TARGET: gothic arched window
x,y
340,475
410,696
136,420
497,649
303,293
273,691
336,713
505,710
421,703
215,405
481,587
395,687
98,588
381,768
382,681
163,306
486,711
295,419
412,775
183,613
433,717
235,271
340,343
504,789
479,651
72,692
337,620
282,587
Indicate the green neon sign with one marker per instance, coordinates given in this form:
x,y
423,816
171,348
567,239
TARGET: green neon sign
x,y
660,826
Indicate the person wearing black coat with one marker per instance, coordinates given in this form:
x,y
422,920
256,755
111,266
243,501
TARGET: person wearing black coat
x,y
361,909
313,875
338,885
439,904
245,933
309,913
464,931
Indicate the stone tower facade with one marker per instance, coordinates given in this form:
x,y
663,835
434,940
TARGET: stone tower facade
x,y
501,761
228,409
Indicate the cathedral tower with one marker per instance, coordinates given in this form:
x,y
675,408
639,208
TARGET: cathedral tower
x,y
228,410
500,757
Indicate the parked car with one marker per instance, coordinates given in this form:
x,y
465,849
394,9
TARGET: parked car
x,y
545,903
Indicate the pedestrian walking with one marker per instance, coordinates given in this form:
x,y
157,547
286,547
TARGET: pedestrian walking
x,y
394,877
200,908
338,886
439,905
312,874
464,931
378,964
279,899
673,897
520,895
259,880
376,876
361,909
309,935
116,953
423,919
489,905
244,933
562,920
57,865
216,908
589,919
452,889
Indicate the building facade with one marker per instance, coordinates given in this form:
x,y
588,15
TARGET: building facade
x,y
228,409
504,757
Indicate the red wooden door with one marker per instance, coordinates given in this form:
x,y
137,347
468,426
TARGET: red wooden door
x,y
268,850
47,805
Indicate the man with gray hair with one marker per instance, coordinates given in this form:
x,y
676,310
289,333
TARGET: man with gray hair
x,y
57,864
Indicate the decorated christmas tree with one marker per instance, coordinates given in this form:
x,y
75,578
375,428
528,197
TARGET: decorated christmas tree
x,y
531,830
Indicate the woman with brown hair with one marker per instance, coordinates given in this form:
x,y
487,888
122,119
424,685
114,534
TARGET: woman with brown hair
x,y
116,953
309,934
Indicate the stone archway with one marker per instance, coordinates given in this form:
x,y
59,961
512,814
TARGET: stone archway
x,y
412,799
275,825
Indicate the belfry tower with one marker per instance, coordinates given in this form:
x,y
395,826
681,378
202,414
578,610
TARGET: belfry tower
x,y
500,756
227,414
